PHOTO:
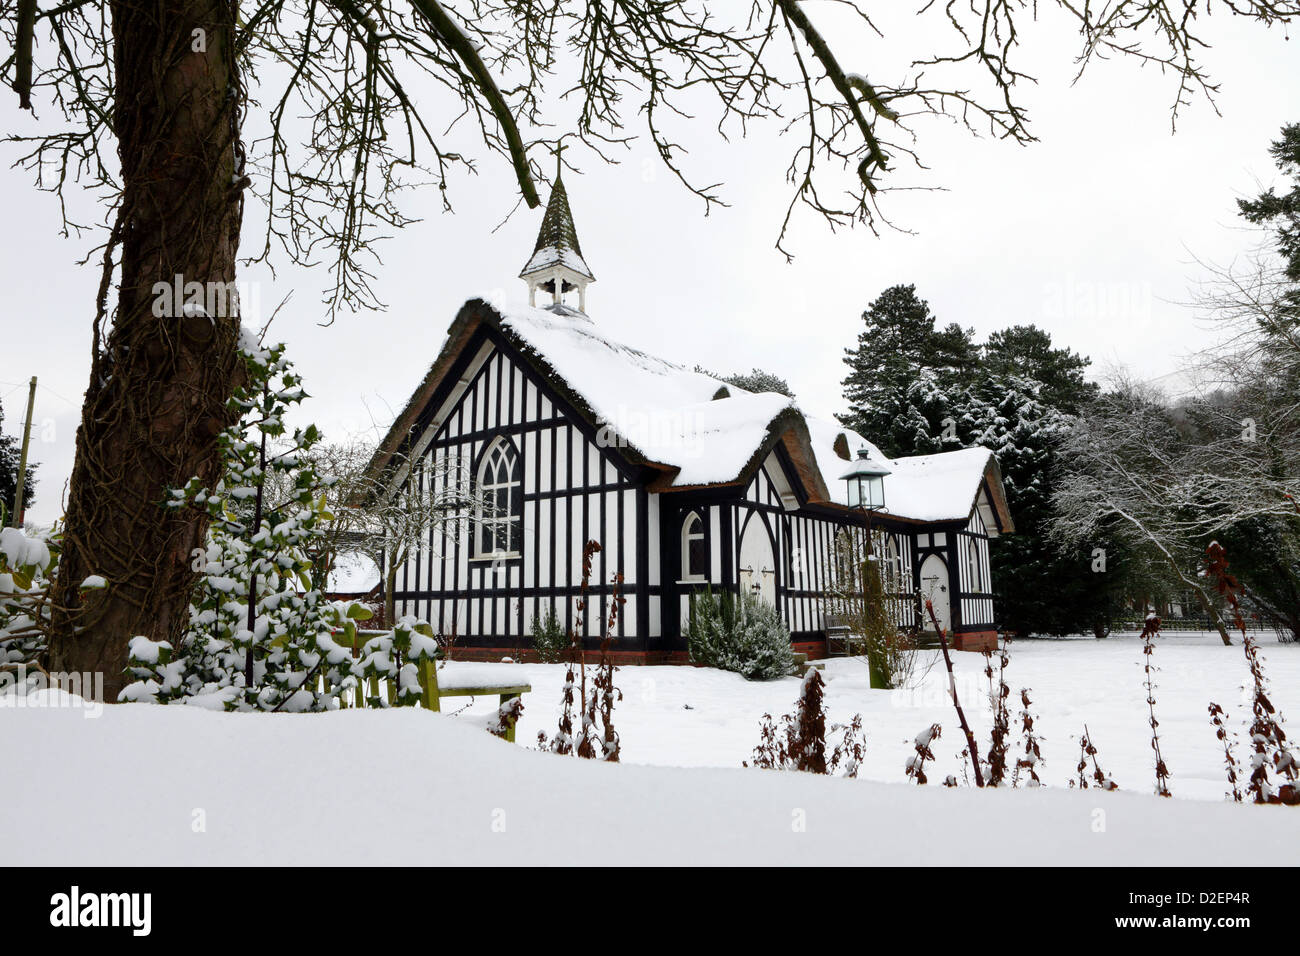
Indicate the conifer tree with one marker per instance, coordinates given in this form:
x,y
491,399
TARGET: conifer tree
x,y
918,388
899,352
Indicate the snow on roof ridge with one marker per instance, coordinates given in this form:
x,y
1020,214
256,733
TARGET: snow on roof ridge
x,y
668,413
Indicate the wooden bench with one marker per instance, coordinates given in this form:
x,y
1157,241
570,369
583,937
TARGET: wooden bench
x,y
839,638
431,693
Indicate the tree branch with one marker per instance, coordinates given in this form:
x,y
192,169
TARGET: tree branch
x,y
455,38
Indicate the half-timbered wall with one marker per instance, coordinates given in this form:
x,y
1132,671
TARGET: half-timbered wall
x,y
573,490
972,560
806,552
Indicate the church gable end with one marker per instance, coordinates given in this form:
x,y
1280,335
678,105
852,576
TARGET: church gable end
x,y
500,421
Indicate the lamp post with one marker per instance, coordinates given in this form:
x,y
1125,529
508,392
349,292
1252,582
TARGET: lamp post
x,y
865,486
865,483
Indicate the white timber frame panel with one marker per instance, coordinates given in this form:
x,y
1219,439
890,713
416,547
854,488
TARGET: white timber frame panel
x,y
573,491
973,573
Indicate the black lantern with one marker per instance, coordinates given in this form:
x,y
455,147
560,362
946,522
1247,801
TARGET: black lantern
x,y
866,482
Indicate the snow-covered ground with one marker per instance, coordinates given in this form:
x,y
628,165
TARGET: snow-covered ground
x,y
693,717
146,784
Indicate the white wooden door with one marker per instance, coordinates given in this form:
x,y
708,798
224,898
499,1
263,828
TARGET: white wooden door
x,y
757,562
934,585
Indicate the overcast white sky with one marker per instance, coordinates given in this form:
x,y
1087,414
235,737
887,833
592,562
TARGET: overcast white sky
x,y
1089,233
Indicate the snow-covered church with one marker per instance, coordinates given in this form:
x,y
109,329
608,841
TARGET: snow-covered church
x,y
684,480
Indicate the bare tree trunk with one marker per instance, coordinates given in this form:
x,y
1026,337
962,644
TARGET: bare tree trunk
x,y
390,588
159,385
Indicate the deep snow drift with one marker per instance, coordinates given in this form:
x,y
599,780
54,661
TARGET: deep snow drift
x,y
414,787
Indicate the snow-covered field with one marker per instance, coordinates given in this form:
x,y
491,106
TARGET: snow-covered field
x,y
144,784
692,717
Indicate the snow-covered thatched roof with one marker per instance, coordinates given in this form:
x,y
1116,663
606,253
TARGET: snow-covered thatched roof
x,y
696,430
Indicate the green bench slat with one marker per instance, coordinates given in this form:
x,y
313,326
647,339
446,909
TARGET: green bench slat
x,y
512,690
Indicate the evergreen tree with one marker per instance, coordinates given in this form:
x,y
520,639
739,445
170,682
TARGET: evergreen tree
x,y
9,455
1027,351
1031,392
915,388
1282,212
260,629
901,371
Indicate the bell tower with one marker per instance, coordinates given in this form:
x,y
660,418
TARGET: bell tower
x,y
556,266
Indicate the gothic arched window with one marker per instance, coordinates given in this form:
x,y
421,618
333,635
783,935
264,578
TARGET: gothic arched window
x,y
893,583
974,569
499,526
695,549
845,556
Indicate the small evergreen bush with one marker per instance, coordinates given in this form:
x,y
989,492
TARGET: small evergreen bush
x,y
746,636
549,639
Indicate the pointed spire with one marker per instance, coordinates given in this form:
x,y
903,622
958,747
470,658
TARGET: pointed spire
x,y
558,235
557,240
557,265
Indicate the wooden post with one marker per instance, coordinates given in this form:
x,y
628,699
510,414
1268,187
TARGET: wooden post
x,y
429,698
510,726
17,518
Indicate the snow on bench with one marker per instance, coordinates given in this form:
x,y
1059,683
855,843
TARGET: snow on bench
x,y
457,679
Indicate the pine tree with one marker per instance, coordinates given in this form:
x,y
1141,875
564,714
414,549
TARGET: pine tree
x,y
899,348
756,381
917,389
1282,212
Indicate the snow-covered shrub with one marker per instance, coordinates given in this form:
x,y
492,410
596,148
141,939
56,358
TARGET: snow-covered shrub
x,y
258,619
396,657
27,567
549,639
746,636
209,670
799,743
915,766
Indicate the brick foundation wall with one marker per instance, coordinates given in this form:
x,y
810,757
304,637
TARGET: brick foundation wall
x,y
975,641
815,650
529,656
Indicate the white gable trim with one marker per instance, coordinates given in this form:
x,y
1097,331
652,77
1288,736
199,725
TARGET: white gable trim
x,y
776,475
440,417
988,517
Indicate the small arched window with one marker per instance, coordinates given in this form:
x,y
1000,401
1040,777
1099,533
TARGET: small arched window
x,y
893,583
500,501
846,559
695,550
974,568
